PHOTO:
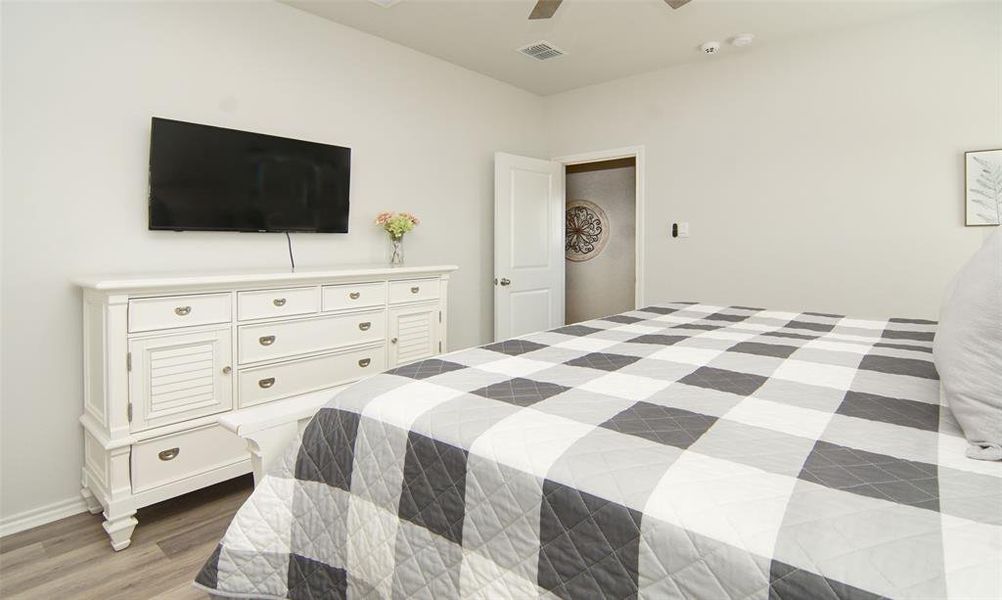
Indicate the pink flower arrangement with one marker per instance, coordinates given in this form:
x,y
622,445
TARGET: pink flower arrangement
x,y
397,224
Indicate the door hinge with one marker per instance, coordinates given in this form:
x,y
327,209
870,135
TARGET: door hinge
x,y
440,347
439,316
128,411
128,361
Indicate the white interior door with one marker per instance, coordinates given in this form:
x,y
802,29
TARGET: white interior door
x,y
528,245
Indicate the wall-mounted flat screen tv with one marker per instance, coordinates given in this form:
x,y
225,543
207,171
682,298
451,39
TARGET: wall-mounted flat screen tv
x,y
207,178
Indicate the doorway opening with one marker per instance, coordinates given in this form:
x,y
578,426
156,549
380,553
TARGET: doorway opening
x,y
531,245
601,238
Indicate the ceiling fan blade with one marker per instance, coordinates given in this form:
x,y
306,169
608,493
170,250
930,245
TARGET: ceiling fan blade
x,y
544,9
677,3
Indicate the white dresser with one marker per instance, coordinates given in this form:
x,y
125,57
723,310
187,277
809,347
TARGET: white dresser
x,y
166,356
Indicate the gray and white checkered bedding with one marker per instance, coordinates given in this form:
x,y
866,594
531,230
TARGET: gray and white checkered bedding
x,y
678,451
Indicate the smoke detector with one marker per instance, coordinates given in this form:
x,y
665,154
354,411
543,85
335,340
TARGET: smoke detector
x,y
710,47
742,39
541,50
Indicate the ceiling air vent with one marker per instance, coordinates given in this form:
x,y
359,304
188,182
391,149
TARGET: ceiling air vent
x,y
541,50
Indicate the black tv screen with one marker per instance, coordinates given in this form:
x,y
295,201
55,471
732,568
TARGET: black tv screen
x,y
214,179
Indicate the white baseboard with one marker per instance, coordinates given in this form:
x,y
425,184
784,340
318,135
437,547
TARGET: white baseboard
x,y
42,515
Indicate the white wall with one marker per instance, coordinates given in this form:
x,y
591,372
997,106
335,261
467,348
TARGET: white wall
x,y
80,82
821,174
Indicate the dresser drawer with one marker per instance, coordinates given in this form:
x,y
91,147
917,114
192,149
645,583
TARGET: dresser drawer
x,y
339,297
269,341
261,304
413,290
264,384
150,314
170,458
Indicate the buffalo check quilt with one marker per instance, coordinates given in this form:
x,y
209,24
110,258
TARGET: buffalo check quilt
x,y
676,451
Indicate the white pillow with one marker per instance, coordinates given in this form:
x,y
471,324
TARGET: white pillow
x,y
968,350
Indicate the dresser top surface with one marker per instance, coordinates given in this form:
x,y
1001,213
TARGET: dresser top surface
x,y
183,279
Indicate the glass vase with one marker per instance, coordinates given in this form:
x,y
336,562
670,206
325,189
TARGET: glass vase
x,y
396,251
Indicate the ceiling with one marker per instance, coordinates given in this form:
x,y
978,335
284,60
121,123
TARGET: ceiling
x,y
604,39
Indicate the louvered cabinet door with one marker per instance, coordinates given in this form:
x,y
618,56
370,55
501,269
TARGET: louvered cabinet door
x,y
413,333
174,378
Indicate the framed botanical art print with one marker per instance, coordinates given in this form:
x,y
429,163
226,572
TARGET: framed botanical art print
x,y
983,191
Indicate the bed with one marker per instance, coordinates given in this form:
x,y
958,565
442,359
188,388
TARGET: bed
x,y
677,451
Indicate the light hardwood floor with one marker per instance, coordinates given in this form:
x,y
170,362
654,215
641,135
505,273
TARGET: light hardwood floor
x,y
72,559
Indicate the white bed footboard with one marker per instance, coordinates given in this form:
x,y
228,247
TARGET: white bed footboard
x,y
270,428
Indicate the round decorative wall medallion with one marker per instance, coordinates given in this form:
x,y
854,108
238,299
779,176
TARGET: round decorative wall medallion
x,y
587,230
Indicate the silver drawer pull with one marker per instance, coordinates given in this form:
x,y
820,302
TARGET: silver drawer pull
x,y
266,340
182,311
393,341
365,326
227,370
278,301
354,295
364,362
169,454
266,383
415,289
